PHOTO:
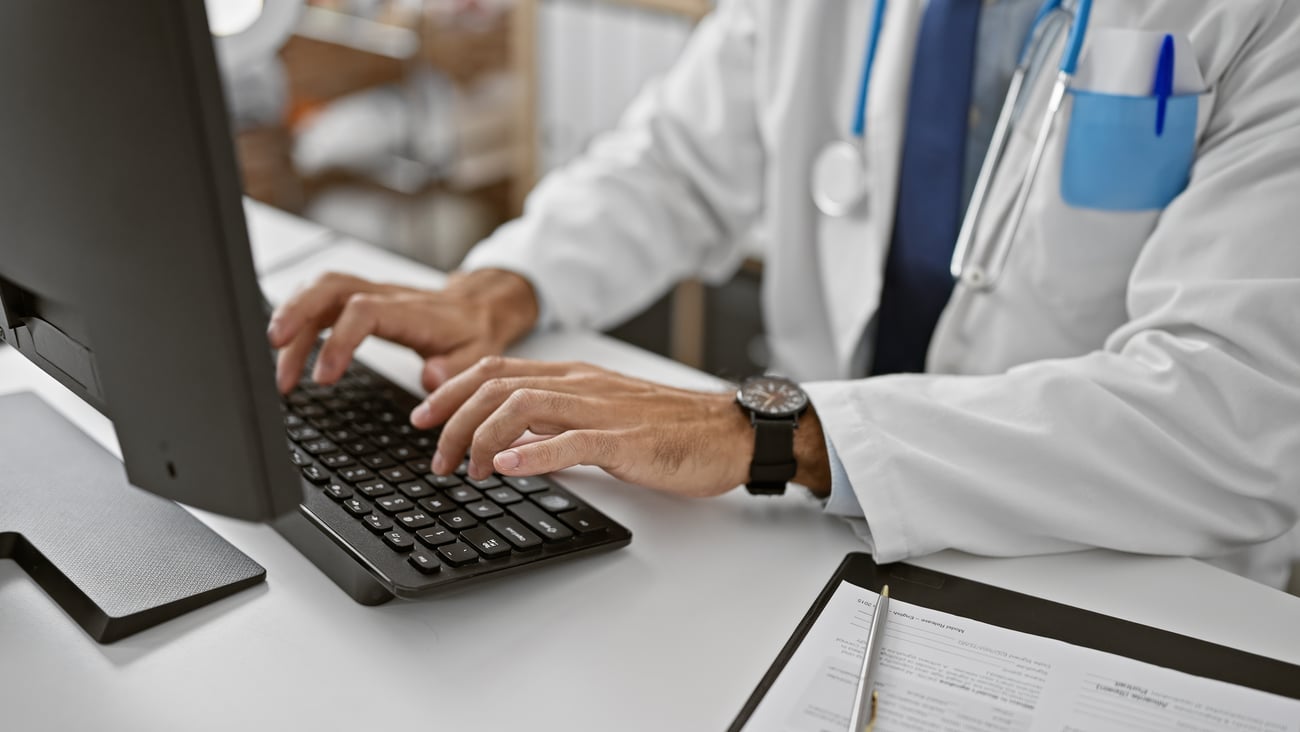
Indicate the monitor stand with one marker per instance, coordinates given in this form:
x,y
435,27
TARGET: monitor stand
x,y
116,558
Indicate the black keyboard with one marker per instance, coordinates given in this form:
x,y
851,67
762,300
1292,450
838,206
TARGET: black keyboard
x,y
416,532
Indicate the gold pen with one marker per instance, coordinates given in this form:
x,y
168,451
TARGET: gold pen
x,y
863,718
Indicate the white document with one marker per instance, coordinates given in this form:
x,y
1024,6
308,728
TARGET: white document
x,y
945,672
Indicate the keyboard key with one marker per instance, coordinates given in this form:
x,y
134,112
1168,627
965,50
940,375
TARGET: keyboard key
x,y
415,489
365,427
436,504
338,491
443,481
457,554
377,523
547,526
424,560
299,458
415,519
360,448
394,504
292,420
385,440
356,474
419,466
377,461
342,435
585,521
530,484
404,453
424,443
463,469
315,474
554,502
458,520
311,411
515,533
319,447
324,424
303,434
488,482
374,488
463,494
399,540
338,460
356,506
397,474
486,542
504,496
484,509
436,535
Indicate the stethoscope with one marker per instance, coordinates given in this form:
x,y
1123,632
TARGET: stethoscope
x,y
840,173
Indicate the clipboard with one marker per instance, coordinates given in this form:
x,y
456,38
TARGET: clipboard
x,y
1036,616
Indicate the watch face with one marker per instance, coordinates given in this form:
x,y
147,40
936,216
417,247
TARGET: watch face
x,y
772,396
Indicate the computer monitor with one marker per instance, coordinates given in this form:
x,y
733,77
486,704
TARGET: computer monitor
x,y
125,273
125,269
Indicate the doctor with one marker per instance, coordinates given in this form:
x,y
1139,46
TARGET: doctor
x,y
1116,363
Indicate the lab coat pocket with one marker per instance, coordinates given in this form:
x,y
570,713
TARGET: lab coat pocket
x,y
1120,156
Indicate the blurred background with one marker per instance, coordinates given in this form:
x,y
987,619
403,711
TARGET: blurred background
x,y
421,125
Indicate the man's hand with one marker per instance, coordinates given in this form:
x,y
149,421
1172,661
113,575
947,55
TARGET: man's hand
x,y
478,314
685,442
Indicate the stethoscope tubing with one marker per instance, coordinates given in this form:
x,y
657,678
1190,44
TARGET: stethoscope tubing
x,y
962,266
984,278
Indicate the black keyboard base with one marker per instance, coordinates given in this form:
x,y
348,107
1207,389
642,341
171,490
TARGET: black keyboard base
x,y
336,562
348,573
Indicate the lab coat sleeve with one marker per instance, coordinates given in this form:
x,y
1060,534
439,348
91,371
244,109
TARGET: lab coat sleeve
x,y
1181,436
842,502
669,194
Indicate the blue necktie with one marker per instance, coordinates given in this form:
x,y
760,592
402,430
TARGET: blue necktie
x,y
917,282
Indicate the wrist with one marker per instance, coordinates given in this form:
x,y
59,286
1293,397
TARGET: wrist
x,y
811,456
735,424
508,297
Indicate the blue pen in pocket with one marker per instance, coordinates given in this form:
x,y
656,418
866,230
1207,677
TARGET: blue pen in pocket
x,y
1131,153
1164,83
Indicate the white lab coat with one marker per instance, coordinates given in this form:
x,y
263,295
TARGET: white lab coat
x,y
1132,383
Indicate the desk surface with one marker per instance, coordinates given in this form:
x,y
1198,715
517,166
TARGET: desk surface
x,y
670,633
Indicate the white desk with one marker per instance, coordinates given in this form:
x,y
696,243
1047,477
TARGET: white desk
x,y
671,633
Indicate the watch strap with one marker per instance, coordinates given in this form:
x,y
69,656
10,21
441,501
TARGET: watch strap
x,y
773,465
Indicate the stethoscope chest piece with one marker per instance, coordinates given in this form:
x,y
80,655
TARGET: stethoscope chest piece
x,y
840,179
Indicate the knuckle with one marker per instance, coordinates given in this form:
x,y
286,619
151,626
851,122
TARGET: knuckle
x,y
498,388
523,399
491,364
360,302
335,280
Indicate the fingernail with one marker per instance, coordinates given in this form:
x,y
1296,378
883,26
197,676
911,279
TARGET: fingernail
x,y
273,330
508,460
420,414
439,463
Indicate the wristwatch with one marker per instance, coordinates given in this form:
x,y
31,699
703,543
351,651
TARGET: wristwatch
x,y
773,405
